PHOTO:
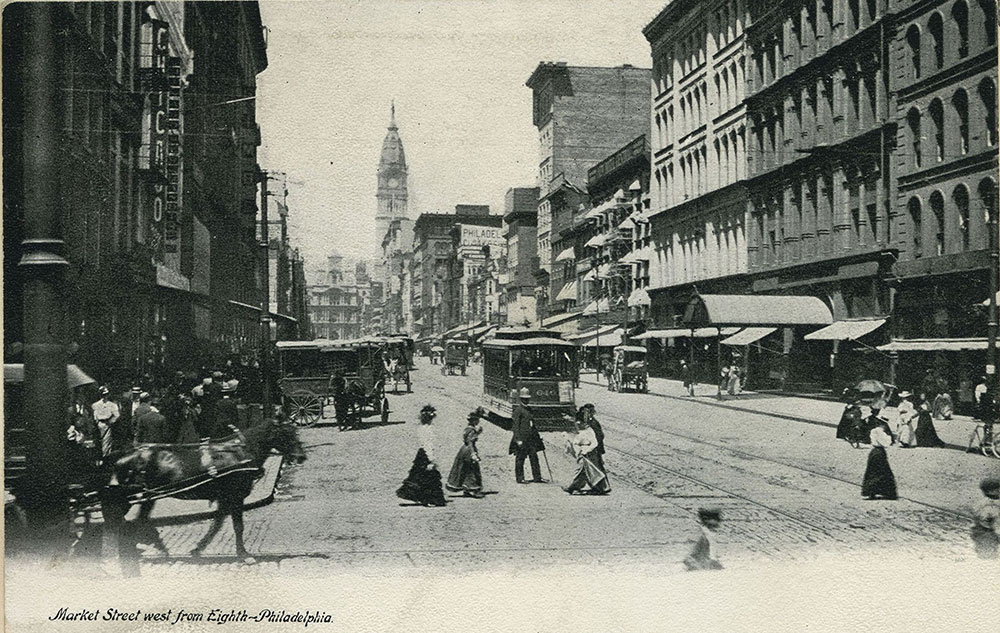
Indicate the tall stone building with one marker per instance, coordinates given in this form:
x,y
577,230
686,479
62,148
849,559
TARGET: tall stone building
x,y
582,115
521,232
392,194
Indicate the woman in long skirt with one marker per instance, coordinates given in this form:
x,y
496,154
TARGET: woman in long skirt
x,y
879,480
926,434
583,445
423,484
466,475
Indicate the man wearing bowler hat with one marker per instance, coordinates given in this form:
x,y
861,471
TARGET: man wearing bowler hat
x,y
524,442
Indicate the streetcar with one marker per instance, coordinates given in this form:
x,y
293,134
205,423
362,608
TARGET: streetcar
x,y
538,360
456,356
306,371
628,369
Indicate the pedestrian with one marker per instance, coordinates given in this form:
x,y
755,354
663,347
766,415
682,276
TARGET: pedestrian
x,y
150,426
524,442
850,419
734,380
944,406
929,385
723,379
423,483
341,399
704,554
985,411
583,446
185,429
878,479
590,416
986,528
926,434
466,476
106,414
906,414
687,379
226,411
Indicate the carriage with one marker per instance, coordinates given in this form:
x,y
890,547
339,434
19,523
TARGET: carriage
x,y
538,360
628,369
397,359
456,356
306,378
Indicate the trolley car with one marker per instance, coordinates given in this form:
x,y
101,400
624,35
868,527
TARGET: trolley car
x,y
537,359
306,371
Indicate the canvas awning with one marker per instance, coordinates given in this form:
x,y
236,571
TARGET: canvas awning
x,y
559,318
757,310
628,258
702,332
600,330
748,335
607,337
591,275
627,224
845,330
75,377
645,254
566,256
934,345
603,270
568,292
595,307
639,297
597,241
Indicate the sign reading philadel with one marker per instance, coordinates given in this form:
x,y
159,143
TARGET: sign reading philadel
x,y
492,236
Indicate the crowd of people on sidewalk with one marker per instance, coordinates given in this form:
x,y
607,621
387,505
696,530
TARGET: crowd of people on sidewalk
x,y
185,410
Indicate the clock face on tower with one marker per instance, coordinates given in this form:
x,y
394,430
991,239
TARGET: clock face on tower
x,y
393,183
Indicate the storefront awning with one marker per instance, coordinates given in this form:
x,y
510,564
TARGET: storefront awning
x,y
845,330
627,224
757,310
609,337
603,271
643,254
595,307
597,331
566,256
568,292
702,332
13,373
597,241
559,318
934,345
591,275
748,335
639,297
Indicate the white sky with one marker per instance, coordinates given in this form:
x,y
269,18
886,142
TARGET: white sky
x,y
456,69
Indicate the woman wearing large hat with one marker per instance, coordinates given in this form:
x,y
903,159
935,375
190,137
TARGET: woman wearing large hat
x,y
423,484
466,476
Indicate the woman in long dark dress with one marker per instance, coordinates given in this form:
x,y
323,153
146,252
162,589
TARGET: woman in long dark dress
x,y
879,480
926,434
583,446
423,483
466,475
851,421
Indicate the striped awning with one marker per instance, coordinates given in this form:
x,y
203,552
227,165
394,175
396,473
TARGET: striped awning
x,y
639,297
611,338
568,292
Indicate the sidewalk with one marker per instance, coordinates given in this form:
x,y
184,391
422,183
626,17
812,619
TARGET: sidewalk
x,y
816,411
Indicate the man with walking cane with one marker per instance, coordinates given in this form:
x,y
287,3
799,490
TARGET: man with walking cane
x,y
526,442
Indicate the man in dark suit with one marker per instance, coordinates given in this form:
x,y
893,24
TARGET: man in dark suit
x,y
151,426
226,411
524,442
589,411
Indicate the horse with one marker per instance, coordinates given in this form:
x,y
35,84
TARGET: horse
x,y
223,472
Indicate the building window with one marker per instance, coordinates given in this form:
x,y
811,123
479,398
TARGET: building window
x,y
856,223
936,27
961,200
855,7
961,103
937,208
913,41
960,13
988,198
913,120
989,9
937,118
916,226
872,211
987,94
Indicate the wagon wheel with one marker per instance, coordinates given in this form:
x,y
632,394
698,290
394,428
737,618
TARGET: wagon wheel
x,y
304,408
385,410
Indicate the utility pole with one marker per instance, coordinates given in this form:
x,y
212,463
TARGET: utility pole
x,y
43,494
265,302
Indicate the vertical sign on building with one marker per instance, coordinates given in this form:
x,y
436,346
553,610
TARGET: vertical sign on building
x,y
171,219
155,50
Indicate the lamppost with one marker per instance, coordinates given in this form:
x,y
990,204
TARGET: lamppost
x,y
265,299
994,318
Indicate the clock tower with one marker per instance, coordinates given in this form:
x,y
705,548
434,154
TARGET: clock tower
x,y
391,194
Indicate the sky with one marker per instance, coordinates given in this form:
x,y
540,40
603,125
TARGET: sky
x,y
456,70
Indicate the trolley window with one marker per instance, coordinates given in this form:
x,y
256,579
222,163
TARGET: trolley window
x,y
541,362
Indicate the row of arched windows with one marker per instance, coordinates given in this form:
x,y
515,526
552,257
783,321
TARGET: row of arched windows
x,y
948,40
951,226
946,134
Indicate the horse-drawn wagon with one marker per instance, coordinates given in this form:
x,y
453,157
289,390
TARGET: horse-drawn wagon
x,y
628,369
